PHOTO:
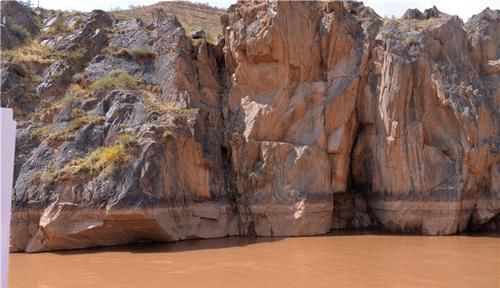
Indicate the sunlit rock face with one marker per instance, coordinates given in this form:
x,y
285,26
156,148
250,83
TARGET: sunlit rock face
x,y
397,107
305,117
426,154
296,76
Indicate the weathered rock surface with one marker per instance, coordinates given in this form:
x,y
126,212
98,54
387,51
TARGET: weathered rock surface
x,y
18,23
307,117
83,45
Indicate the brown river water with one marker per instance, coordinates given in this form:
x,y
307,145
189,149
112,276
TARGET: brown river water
x,y
323,261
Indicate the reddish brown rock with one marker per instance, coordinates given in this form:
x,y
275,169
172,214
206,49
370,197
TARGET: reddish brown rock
x,y
307,117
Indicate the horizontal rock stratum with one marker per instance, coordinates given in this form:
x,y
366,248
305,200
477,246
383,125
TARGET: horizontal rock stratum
x,y
298,119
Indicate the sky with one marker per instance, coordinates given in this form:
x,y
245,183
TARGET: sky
x,y
462,8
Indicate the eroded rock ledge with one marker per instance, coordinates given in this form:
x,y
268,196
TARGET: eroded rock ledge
x,y
305,117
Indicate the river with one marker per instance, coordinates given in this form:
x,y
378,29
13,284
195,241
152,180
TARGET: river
x,y
323,261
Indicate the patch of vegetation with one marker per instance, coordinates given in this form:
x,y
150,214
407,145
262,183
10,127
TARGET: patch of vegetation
x,y
158,106
137,53
128,139
75,124
106,159
123,52
32,51
97,161
73,54
186,110
121,16
79,23
40,133
76,91
78,113
42,177
410,42
190,28
116,79
58,26
20,31
58,104
467,89
385,34
196,15
36,78
35,134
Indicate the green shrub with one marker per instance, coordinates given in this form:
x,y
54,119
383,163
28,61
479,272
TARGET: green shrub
x,y
116,79
78,113
58,25
140,53
104,159
385,34
100,159
159,106
35,134
75,124
128,139
36,78
121,16
76,91
20,31
31,51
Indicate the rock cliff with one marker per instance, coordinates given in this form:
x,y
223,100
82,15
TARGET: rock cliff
x,y
298,119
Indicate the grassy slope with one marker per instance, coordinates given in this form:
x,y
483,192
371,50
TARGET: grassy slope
x,y
193,16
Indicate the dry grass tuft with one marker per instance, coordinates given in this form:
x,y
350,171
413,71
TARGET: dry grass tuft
x,y
104,159
32,51
192,16
116,79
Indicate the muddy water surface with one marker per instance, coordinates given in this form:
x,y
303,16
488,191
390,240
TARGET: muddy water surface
x,y
324,261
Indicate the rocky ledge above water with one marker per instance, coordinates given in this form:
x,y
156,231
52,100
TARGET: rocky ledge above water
x,y
299,118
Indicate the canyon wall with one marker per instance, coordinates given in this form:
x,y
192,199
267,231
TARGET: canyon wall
x,y
305,117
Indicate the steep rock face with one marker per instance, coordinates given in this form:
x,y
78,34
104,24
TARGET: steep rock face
x,y
18,23
421,156
484,38
307,117
292,120
403,96
85,43
124,165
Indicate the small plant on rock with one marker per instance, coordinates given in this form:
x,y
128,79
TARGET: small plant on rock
x,y
128,139
116,79
410,42
105,159
20,31
140,53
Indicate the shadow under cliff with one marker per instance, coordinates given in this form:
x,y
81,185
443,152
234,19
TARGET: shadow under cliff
x,y
238,241
176,247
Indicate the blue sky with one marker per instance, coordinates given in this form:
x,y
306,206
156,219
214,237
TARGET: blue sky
x,y
462,8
